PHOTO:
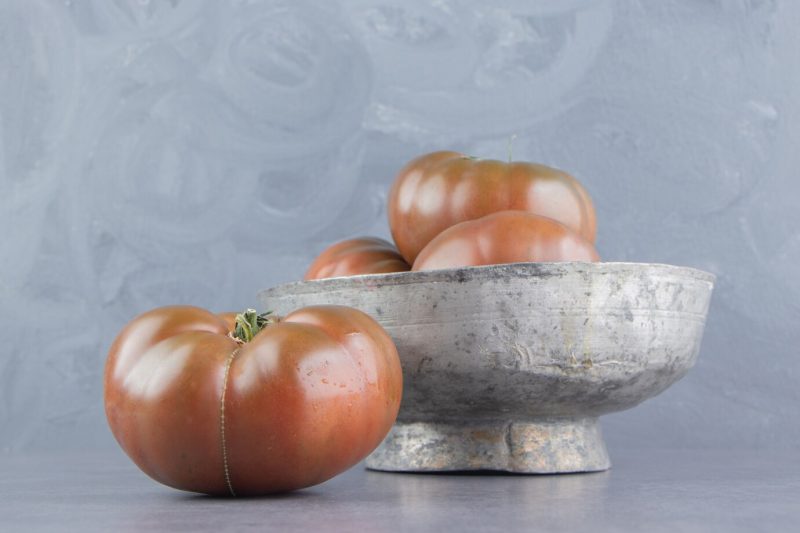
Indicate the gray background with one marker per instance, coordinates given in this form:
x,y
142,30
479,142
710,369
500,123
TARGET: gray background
x,y
156,152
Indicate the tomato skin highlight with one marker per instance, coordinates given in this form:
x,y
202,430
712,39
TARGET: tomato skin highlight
x,y
438,190
504,237
353,257
307,398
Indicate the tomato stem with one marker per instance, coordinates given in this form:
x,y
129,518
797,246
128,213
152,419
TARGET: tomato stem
x,y
249,323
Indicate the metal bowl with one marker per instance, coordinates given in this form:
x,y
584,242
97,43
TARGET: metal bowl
x,y
508,367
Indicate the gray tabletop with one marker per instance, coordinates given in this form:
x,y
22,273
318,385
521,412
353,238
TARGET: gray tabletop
x,y
644,491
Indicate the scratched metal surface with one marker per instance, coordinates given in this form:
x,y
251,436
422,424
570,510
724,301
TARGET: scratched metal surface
x,y
507,367
154,152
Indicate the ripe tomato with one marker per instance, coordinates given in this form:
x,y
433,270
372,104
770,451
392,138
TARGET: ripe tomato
x,y
504,237
230,319
364,255
440,189
303,399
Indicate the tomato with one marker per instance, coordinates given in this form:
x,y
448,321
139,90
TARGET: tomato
x,y
504,237
305,398
364,255
230,319
441,189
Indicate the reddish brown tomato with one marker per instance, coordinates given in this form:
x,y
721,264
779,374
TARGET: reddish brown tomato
x,y
441,189
230,319
364,255
504,237
305,399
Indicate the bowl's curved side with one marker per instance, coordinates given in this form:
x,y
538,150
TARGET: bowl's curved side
x,y
527,340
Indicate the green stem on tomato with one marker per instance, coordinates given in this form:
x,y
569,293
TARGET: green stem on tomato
x,y
249,323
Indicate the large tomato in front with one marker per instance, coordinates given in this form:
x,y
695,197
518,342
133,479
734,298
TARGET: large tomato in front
x,y
441,189
307,397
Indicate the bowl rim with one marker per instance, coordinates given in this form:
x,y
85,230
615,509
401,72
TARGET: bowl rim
x,y
461,274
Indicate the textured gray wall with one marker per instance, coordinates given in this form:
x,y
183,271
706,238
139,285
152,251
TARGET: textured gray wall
x,y
155,152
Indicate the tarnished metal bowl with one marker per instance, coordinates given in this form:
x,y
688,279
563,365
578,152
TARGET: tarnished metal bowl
x,y
508,367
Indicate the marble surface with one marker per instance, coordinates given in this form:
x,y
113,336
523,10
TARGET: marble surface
x,y
197,151
669,491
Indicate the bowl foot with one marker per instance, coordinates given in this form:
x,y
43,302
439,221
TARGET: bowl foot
x,y
532,446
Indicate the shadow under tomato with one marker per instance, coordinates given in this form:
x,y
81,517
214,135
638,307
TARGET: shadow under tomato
x,y
303,494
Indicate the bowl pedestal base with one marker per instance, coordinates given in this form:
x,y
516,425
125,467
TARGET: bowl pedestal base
x,y
546,446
